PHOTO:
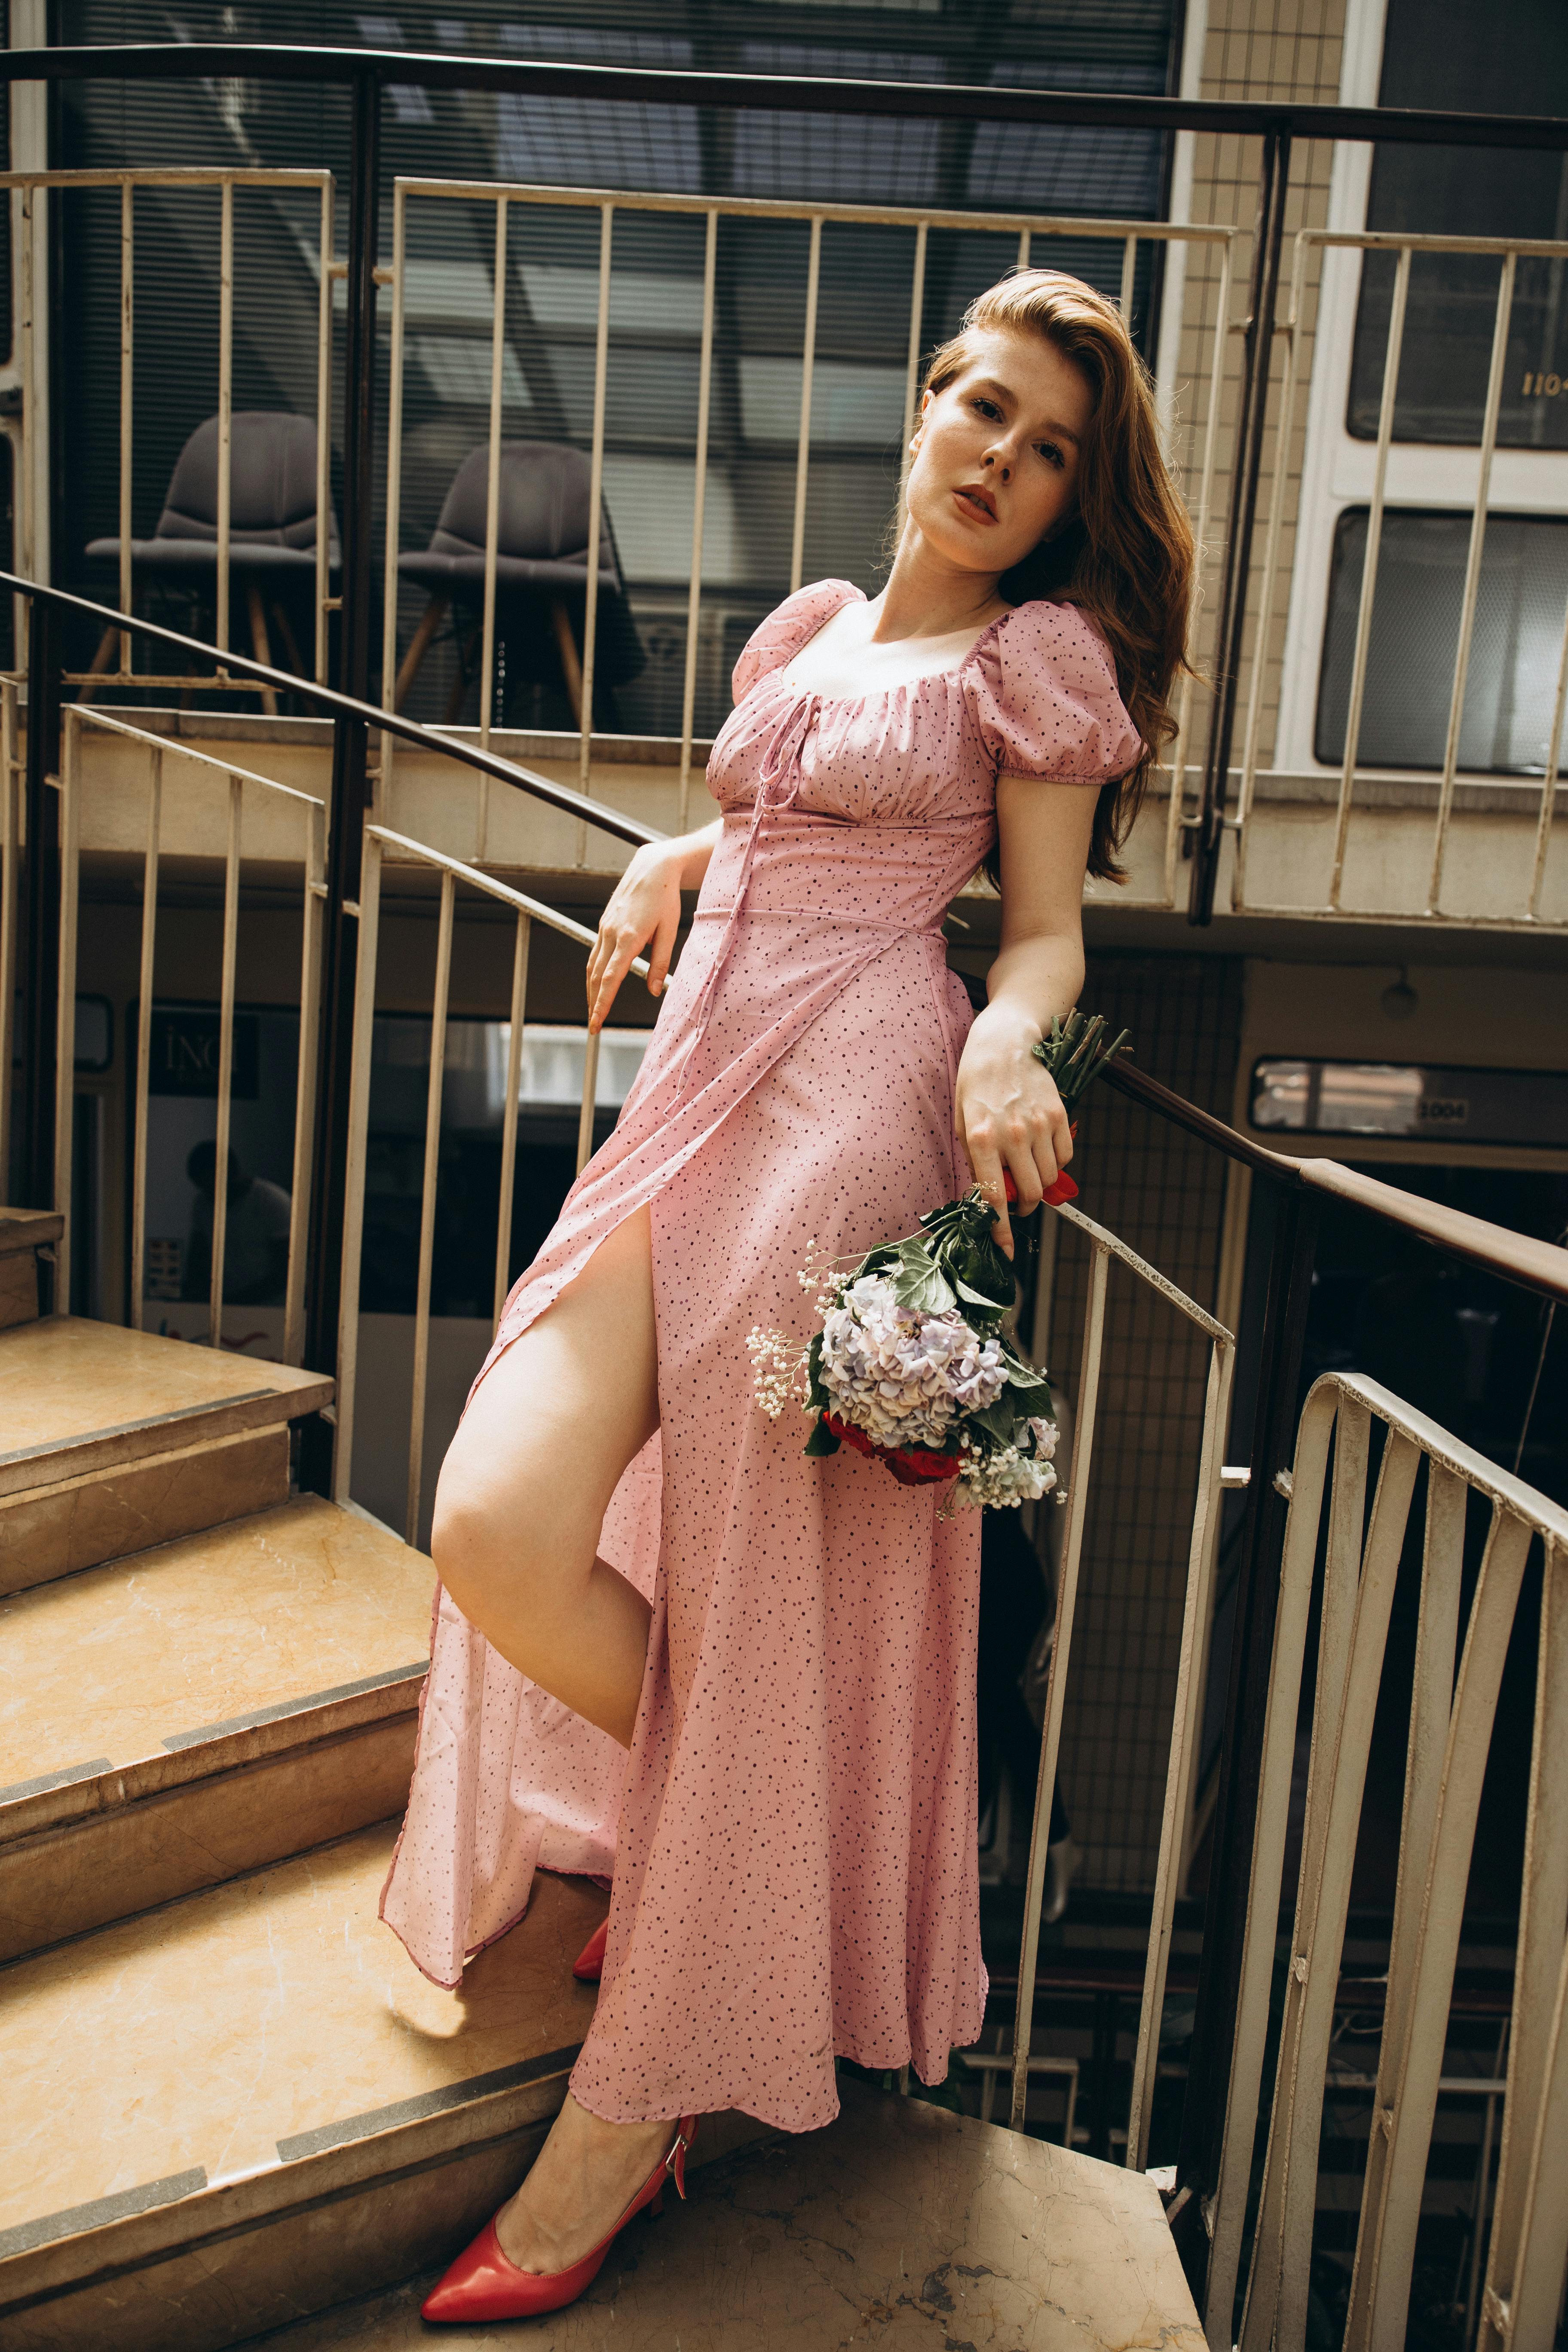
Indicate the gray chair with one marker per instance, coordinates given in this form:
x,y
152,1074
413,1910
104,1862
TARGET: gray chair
x,y
272,524
542,572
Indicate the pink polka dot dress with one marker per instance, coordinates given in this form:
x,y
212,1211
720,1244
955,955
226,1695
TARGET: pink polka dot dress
x,y
792,1837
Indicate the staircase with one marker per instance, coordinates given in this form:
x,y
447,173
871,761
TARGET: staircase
x,y
231,2101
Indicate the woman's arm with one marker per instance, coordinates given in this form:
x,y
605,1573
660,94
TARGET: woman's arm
x,y
646,905
1009,1113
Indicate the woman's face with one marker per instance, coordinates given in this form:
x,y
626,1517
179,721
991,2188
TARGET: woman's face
x,y
997,451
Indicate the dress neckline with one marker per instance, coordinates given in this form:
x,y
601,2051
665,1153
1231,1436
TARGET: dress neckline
x,y
870,694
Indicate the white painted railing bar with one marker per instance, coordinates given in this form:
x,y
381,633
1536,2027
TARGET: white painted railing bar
x,y
355,1159
145,982
64,981
699,511
1012,223
495,889
127,396
1129,276
1472,578
1549,781
493,512
225,410
325,601
1529,2250
807,372
913,360
1105,1246
10,877
224,1059
508,1112
596,515
1086,1401
1176,807
91,716
1450,1730
1197,1609
314,916
1392,356
428,1203
391,677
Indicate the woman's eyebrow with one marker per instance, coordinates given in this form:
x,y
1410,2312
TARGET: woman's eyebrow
x,y
995,384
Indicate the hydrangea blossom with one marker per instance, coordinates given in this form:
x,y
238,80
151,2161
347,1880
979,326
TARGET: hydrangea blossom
x,y
901,1375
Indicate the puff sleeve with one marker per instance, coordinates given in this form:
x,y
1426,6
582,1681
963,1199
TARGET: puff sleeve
x,y
780,638
1043,689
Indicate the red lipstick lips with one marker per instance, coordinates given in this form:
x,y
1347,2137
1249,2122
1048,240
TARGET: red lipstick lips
x,y
979,498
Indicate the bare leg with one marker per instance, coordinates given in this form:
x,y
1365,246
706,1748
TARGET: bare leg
x,y
523,1489
518,1511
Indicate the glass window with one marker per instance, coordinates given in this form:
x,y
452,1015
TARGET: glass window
x,y
1429,1104
1510,57
1514,653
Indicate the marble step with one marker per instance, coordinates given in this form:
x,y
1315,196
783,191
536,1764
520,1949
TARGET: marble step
x,y
27,1237
170,1719
250,2105
901,2225
113,1440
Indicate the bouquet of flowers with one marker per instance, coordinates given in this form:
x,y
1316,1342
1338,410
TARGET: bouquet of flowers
x,y
911,1365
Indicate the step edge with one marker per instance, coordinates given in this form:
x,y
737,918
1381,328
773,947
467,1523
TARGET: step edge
x,y
210,1448
89,1791
96,1450
28,1229
271,2189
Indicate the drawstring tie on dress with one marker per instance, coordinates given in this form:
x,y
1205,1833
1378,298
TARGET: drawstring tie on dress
x,y
778,786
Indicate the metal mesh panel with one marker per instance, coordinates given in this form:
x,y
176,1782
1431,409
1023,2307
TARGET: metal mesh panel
x,y
1163,1194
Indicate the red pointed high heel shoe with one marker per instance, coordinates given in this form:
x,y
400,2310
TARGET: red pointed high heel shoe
x,y
482,2285
589,1965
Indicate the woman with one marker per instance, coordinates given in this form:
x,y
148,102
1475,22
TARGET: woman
x,y
633,1556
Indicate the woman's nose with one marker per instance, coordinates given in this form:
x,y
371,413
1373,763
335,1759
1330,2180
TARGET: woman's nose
x,y
1003,465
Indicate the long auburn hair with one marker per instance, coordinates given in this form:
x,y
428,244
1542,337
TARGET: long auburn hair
x,y
1126,557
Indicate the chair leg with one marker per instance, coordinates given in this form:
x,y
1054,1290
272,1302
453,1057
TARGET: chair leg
x,y
571,663
290,644
459,693
259,645
408,669
100,663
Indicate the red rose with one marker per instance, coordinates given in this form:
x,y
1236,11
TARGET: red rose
x,y
911,1465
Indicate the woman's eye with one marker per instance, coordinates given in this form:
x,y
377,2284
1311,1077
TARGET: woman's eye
x,y
1050,453
987,407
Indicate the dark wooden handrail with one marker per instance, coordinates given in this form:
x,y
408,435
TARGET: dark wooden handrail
x,y
1536,1266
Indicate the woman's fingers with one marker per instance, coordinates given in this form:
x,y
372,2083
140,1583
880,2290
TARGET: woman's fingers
x,y
985,1165
661,949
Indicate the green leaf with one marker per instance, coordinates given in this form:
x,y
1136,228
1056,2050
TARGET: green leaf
x,y
822,1440
999,1420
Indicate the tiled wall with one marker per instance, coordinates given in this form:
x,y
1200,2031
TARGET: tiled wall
x,y
1254,50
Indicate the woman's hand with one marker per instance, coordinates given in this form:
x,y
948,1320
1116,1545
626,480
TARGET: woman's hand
x,y
644,907
1009,1115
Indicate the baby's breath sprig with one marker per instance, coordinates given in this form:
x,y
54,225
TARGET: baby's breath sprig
x,y
778,1370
